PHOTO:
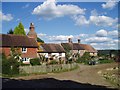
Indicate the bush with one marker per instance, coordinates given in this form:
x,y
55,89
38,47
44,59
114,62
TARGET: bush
x,y
106,61
53,62
35,61
10,66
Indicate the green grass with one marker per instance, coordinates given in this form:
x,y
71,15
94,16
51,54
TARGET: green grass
x,y
106,61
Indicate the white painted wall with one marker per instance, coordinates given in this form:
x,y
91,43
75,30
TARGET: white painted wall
x,y
56,54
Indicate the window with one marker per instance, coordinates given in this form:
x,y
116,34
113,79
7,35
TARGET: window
x,y
25,59
24,50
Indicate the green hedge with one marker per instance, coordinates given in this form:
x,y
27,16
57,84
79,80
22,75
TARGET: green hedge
x,y
35,61
106,61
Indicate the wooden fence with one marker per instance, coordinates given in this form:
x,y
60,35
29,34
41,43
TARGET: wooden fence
x,y
47,68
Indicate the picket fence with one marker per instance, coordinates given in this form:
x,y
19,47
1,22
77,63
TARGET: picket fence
x,y
47,68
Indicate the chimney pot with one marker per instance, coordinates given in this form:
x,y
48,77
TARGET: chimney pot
x,y
69,40
78,40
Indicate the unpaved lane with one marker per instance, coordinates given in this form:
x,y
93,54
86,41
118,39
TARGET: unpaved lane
x,y
84,74
83,77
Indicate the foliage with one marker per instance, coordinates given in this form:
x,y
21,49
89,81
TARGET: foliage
x,y
10,66
39,40
42,58
106,61
53,62
84,59
19,30
10,31
15,53
35,61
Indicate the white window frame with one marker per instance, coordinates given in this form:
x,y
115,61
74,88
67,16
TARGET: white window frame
x,y
25,59
24,50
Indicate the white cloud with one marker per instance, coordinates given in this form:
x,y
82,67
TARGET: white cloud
x,y
49,10
60,37
26,30
97,39
95,19
110,4
83,35
80,20
41,35
113,33
101,33
94,12
103,20
100,46
7,17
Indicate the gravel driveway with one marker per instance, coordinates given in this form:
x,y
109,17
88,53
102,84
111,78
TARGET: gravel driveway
x,y
84,77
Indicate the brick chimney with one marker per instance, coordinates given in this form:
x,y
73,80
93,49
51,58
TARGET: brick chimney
x,y
78,40
32,33
69,40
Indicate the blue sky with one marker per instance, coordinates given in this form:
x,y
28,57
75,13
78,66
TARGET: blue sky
x,y
95,23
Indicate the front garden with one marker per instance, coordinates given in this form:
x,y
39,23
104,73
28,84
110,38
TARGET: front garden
x,y
13,66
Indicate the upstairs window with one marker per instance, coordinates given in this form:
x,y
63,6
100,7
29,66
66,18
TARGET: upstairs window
x,y
24,50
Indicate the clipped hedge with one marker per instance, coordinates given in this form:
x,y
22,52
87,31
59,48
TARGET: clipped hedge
x,y
35,61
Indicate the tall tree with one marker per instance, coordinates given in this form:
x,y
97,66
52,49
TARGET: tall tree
x,y
10,31
19,30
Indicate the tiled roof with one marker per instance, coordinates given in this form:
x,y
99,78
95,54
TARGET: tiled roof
x,y
77,46
70,46
9,40
54,48
89,48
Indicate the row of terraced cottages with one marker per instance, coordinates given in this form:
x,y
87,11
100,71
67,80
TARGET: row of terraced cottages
x,y
29,48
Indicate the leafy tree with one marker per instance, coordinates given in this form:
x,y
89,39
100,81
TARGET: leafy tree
x,y
39,40
10,66
19,30
10,31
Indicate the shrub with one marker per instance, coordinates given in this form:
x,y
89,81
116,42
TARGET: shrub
x,y
10,66
106,61
53,62
35,61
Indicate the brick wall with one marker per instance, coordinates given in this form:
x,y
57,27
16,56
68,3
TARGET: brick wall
x,y
31,52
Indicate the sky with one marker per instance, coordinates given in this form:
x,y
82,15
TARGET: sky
x,y
95,23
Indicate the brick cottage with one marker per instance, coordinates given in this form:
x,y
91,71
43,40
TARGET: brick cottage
x,y
26,45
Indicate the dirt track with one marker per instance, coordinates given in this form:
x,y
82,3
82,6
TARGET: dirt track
x,y
84,74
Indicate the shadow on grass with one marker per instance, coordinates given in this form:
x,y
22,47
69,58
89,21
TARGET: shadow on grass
x,y
46,83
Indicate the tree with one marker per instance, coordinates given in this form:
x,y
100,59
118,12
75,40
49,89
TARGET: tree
x,y
10,31
19,30
39,40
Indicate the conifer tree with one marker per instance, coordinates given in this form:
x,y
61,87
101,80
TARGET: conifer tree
x,y
19,30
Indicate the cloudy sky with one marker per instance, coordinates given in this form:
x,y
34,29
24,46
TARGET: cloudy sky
x,y
95,23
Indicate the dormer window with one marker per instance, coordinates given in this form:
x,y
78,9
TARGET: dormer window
x,y
24,50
